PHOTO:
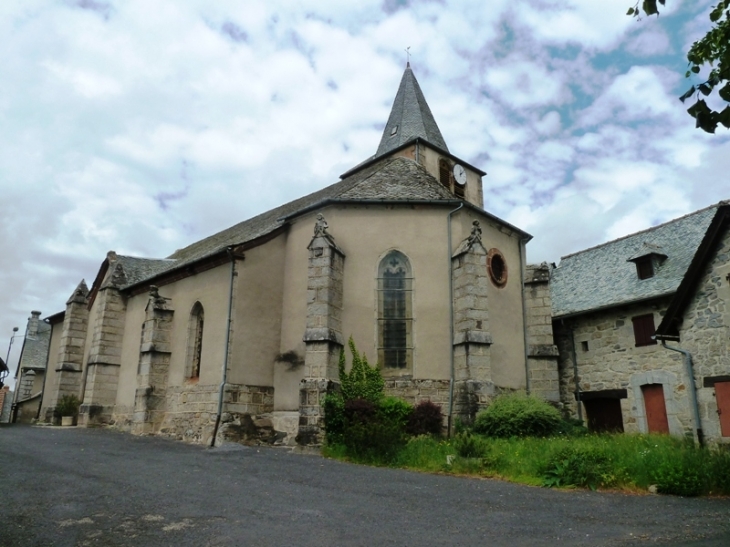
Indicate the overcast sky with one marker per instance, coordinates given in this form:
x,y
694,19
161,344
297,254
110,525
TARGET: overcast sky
x,y
141,126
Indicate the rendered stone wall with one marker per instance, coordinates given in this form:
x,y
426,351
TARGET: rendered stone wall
x,y
705,333
613,362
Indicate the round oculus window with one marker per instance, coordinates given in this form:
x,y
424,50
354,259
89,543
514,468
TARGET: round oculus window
x,y
497,267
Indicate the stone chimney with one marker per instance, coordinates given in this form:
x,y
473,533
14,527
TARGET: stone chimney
x,y
33,323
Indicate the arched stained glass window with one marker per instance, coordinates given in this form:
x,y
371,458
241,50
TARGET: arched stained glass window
x,y
395,317
195,341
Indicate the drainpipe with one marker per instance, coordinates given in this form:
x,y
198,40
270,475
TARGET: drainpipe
x,y
693,390
524,317
45,375
224,374
451,320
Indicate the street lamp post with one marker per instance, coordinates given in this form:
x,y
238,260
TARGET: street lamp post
x,y
10,345
6,369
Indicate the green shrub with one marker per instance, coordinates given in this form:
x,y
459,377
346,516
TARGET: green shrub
x,y
571,427
683,475
334,417
68,405
467,445
363,381
518,415
578,466
394,410
372,440
426,419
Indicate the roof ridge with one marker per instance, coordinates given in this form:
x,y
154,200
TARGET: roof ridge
x,y
645,230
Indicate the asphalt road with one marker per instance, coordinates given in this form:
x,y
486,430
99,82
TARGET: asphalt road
x,y
69,486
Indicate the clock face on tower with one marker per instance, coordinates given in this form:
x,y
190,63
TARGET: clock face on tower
x,y
460,174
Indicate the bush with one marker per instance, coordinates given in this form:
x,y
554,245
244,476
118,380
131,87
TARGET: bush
x,y
578,466
363,381
684,475
426,419
68,405
375,433
395,411
469,446
334,417
518,415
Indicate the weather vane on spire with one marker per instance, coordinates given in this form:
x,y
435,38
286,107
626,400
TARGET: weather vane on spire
x,y
408,56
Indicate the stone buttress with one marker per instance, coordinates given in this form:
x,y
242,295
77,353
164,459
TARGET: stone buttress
x,y
105,355
154,364
323,334
473,386
542,353
69,369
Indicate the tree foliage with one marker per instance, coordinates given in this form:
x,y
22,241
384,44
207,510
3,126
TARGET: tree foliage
x,y
712,50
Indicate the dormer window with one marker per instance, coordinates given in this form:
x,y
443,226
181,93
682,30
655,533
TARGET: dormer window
x,y
394,130
644,268
648,260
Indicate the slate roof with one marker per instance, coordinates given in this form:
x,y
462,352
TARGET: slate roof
x,y
35,348
396,179
601,277
138,269
410,117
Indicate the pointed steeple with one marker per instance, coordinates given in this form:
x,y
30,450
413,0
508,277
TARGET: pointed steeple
x,y
409,118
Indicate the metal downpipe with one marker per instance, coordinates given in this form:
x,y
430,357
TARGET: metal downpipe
x,y
693,390
451,321
524,316
224,375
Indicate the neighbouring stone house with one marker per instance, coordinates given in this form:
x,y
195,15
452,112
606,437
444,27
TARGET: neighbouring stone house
x,y
237,336
30,374
606,303
698,322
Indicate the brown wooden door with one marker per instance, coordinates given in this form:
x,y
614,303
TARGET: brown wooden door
x,y
656,409
604,415
722,395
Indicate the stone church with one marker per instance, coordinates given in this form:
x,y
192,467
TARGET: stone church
x,y
237,336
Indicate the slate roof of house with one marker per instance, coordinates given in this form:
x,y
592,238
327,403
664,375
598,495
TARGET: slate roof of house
x,y
601,277
35,348
396,179
410,118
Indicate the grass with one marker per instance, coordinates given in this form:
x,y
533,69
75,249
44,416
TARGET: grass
x,y
623,462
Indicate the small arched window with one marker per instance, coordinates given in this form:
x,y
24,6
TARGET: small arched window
x,y
395,317
195,341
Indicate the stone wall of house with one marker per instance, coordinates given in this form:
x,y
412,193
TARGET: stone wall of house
x,y
608,359
542,353
705,333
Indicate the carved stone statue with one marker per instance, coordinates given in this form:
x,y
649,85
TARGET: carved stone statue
x,y
476,233
320,228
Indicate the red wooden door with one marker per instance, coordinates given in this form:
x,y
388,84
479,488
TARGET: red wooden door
x,y
656,409
722,395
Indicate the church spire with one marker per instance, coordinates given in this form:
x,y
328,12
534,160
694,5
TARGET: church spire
x,y
410,118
